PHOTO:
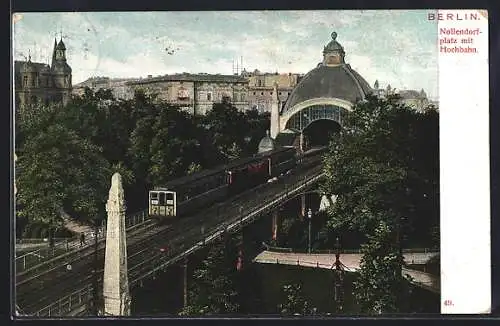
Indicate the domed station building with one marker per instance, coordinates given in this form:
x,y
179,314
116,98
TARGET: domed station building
x,y
318,104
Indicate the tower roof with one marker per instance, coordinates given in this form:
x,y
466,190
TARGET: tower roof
x,y
333,46
60,45
340,82
330,81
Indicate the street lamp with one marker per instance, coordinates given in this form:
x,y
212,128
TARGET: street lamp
x,y
339,279
95,269
51,227
309,216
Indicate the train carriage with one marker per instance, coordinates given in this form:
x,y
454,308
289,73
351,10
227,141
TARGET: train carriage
x,y
201,189
281,160
187,193
247,175
191,192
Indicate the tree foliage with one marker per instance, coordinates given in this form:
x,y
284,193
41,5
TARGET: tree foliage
x,y
214,288
383,167
164,145
294,302
77,148
59,170
381,287
234,133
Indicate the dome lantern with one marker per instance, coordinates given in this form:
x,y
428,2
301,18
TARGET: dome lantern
x,y
333,52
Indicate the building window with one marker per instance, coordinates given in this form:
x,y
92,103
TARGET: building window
x,y
261,93
288,93
253,93
25,81
271,93
280,93
183,94
209,96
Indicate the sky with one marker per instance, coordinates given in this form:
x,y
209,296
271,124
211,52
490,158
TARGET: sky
x,y
397,47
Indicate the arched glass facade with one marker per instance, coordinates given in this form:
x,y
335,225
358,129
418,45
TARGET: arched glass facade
x,y
304,117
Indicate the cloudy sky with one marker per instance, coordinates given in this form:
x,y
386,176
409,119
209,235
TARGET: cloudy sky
x,y
396,47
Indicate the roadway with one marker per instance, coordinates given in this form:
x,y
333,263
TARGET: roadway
x,y
143,248
351,263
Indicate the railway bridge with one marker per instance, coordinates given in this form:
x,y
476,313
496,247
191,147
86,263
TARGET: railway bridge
x,y
69,282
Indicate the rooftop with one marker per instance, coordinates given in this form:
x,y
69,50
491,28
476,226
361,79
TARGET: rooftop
x,y
328,80
192,77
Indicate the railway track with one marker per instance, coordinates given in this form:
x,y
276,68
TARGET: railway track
x,y
33,294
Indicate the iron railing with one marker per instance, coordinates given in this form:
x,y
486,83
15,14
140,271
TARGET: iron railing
x,y
39,256
67,304
70,302
342,251
38,240
232,226
422,279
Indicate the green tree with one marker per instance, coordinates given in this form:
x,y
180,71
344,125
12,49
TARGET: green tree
x,y
227,128
384,189
380,285
164,145
294,301
104,120
193,168
214,288
58,170
257,124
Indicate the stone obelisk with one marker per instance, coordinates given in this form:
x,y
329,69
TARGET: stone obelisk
x,y
115,288
275,113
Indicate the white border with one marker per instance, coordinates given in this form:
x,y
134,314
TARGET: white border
x,y
465,164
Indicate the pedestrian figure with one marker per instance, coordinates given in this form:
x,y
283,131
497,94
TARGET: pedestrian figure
x,y
82,239
202,229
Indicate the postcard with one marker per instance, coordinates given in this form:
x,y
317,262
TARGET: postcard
x,y
251,163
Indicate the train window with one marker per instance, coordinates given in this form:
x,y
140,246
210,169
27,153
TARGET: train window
x,y
169,196
154,198
162,199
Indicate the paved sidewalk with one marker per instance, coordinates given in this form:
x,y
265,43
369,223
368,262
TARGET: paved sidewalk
x,y
351,263
75,226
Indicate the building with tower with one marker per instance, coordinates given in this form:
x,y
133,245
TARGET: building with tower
x,y
41,83
417,100
327,92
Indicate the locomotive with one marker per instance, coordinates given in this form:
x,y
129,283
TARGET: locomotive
x,y
185,195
